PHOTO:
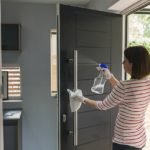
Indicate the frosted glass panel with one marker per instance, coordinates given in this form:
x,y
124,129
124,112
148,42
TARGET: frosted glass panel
x,y
53,50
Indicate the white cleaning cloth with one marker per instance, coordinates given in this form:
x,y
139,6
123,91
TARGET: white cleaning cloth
x,y
74,104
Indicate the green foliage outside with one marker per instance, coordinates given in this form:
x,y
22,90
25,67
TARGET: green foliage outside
x,y
139,29
146,44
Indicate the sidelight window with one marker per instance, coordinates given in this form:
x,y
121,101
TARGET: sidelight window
x,y
53,62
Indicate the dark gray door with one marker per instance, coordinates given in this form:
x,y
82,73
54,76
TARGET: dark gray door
x,y
97,38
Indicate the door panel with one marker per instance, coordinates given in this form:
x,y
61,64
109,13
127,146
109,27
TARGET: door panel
x,y
101,24
87,57
87,71
92,33
93,118
86,85
89,134
101,39
100,144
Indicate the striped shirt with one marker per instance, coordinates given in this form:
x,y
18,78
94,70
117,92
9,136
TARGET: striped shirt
x,y
132,97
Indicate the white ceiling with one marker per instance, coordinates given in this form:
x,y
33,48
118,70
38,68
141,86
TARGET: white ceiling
x,y
73,2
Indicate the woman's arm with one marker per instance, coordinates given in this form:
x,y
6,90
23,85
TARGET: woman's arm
x,y
90,102
110,77
113,81
113,99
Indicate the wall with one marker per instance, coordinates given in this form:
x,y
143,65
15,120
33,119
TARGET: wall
x,y
39,108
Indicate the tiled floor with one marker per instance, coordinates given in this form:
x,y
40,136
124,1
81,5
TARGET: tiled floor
x,y
147,124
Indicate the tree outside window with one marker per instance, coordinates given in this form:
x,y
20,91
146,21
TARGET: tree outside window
x,y
139,30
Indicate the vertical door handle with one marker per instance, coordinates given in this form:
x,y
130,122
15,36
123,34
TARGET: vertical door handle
x,y
75,88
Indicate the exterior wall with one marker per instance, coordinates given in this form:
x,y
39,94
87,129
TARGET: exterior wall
x,y
39,108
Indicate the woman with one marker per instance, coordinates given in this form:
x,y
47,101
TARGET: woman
x,y
132,96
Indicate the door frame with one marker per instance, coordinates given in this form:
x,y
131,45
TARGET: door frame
x,y
135,7
58,74
1,102
130,11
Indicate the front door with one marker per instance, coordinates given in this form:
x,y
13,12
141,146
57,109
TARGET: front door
x,y
94,37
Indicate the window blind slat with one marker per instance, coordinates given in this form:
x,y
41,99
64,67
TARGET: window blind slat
x,y
14,80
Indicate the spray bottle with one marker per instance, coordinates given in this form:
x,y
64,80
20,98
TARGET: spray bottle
x,y
99,81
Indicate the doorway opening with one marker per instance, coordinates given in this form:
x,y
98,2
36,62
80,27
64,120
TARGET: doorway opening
x,y
138,33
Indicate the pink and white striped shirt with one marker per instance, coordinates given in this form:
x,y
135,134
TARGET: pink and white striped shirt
x,y
132,97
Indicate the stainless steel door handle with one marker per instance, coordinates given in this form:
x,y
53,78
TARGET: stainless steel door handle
x,y
75,88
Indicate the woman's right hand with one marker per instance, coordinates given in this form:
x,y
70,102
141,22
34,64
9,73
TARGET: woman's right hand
x,y
106,72
108,75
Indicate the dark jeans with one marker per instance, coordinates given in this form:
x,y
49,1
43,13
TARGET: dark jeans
x,y
124,147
